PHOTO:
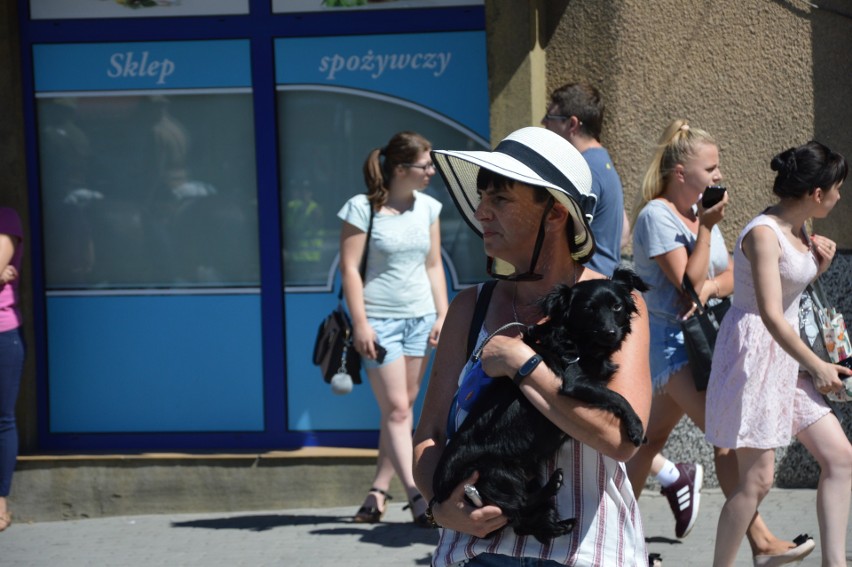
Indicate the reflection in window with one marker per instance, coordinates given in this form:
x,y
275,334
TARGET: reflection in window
x,y
325,138
149,191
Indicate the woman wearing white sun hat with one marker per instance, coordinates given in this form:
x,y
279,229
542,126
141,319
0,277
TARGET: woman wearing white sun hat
x,y
529,199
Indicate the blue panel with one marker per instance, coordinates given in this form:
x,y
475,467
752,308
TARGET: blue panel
x,y
312,406
155,363
446,72
123,66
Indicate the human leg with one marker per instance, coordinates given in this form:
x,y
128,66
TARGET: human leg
x,y
756,468
760,538
682,389
11,367
395,386
665,415
415,368
827,442
375,504
680,482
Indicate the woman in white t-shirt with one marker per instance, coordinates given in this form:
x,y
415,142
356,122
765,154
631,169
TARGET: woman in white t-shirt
x,y
401,303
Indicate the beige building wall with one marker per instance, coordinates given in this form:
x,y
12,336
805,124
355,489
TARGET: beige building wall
x,y
760,76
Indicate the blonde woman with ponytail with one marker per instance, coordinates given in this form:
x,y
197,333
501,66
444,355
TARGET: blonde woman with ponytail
x,y
400,304
675,236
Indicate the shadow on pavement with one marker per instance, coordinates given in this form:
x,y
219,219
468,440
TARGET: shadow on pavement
x,y
661,539
258,523
386,535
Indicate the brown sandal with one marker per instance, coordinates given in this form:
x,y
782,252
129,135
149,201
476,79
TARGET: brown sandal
x,y
371,514
421,521
5,521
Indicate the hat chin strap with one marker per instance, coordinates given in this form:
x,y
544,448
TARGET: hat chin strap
x,y
529,275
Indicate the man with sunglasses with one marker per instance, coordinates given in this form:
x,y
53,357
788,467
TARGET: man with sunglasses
x,y
575,112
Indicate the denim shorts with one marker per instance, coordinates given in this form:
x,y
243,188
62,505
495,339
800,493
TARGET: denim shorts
x,y
409,337
668,353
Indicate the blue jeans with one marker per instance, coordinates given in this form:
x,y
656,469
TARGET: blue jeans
x,y
11,367
494,560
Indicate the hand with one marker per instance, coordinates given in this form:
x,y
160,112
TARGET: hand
x,y
435,333
502,356
824,248
9,274
826,377
364,340
713,215
458,514
688,306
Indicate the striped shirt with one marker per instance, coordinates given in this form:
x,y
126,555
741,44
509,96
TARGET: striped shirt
x,y
596,492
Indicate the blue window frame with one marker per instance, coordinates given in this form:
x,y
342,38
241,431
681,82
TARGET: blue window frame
x,y
269,411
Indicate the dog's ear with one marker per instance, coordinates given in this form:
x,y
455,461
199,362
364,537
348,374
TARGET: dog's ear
x,y
629,278
558,300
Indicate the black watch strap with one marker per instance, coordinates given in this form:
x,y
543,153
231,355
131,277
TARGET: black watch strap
x,y
527,368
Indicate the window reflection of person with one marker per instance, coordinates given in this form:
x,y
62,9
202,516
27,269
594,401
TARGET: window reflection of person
x,y
65,153
175,222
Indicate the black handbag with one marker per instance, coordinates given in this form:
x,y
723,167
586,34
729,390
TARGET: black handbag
x,y
333,351
699,334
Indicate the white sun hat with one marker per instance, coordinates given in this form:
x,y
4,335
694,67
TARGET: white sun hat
x,y
534,156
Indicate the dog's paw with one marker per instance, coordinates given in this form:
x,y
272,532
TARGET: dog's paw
x,y
635,431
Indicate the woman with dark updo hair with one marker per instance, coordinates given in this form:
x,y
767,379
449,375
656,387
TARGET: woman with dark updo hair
x,y
766,384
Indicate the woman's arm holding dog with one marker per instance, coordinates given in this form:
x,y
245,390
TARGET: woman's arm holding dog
x,y
430,437
597,428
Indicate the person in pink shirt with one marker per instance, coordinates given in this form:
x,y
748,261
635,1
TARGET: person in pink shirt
x,y
11,351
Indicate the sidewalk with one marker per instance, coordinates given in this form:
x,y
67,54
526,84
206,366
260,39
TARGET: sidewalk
x,y
325,537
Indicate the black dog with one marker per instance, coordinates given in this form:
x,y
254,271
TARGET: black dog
x,y
509,441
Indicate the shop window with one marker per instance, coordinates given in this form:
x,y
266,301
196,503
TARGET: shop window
x,y
146,190
326,134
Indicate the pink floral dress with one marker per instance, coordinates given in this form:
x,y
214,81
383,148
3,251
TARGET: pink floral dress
x,y
755,398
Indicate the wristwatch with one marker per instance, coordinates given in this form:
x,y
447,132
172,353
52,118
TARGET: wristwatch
x,y
527,368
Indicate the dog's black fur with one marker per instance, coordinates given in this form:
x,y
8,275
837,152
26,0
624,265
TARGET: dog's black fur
x,y
509,441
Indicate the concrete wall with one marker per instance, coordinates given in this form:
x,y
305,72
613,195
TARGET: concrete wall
x,y
759,76
51,488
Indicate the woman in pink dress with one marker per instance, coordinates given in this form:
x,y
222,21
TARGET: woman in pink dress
x,y
756,398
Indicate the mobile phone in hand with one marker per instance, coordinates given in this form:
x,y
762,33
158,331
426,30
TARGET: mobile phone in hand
x,y
472,494
712,195
380,353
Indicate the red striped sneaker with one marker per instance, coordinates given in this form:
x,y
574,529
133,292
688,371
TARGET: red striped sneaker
x,y
684,496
